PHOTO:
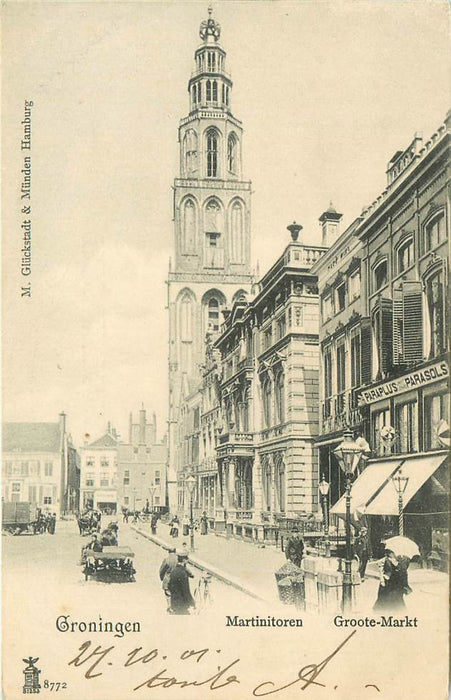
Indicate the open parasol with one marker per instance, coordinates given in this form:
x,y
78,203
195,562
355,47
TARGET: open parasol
x,y
402,546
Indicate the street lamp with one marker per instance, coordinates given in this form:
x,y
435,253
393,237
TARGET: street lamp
x,y
190,482
323,488
348,454
400,483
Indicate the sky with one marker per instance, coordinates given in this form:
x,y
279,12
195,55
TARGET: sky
x,y
327,93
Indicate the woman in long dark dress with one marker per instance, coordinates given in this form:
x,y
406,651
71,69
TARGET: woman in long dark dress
x,y
394,584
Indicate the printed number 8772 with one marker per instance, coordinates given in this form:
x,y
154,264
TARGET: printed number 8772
x,y
55,685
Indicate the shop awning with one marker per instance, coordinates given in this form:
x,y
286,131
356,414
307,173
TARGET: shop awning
x,y
373,492
418,469
370,481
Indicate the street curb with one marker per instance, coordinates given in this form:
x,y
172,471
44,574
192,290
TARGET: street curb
x,y
204,566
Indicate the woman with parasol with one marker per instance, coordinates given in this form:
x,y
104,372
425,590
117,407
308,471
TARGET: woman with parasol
x,y
394,584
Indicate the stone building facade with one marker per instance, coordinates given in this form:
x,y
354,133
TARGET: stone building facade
x,y
142,466
267,466
40,465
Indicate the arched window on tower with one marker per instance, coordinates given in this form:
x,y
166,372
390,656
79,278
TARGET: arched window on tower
x,y
186,332
213,316
189,226
231,153
199,92
194,94
212,151
236,233
223,93
208,90
190,151
215,90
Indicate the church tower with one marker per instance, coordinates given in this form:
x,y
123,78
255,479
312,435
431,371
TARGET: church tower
x,y
211,264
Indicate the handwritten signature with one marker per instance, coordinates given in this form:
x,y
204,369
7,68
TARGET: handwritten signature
x,y
96,660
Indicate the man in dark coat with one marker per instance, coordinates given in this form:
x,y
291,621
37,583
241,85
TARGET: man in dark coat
x,y
167,567
153,523
362,549
181,598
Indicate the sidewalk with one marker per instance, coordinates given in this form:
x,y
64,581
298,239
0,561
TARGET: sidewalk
x,y
245,566
251,568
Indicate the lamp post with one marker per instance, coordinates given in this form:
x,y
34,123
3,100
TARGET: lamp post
x,y
348,454
323,488
400,483
190,482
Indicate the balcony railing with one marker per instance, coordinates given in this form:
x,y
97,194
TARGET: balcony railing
x,y
237,438
339,412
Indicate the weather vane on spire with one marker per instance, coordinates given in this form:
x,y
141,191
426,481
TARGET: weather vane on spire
x,y
209,27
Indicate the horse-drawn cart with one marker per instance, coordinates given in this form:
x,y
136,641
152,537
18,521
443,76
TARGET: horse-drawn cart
x,y
20,517
112,563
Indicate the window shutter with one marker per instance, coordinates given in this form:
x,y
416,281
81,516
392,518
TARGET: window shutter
x,y
412,322
366,355
397,327
386,334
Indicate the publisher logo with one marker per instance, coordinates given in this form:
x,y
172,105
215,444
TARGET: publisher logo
x,y
31,673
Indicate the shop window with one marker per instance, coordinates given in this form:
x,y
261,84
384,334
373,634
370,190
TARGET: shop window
x,y
434,232
380,419
380,275
406,417
436,410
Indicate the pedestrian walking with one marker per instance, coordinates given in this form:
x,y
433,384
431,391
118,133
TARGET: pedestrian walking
x,y
362,549
393,583
181,598
174,532
204,524
153,523
167,566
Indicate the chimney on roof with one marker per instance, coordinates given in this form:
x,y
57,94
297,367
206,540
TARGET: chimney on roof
x,y
330,226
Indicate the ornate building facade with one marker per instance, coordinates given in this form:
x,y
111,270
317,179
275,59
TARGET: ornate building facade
x,y
384,349
211,266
